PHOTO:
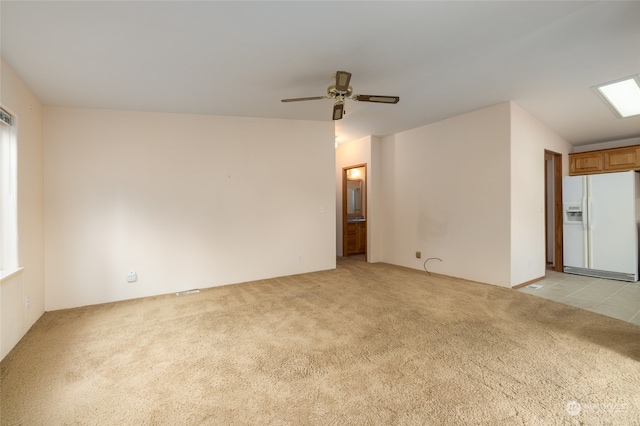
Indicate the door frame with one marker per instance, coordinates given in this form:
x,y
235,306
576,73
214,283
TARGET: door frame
x,y
556,160
364,208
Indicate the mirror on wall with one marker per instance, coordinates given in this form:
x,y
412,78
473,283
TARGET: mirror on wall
x,y
354,197
355,192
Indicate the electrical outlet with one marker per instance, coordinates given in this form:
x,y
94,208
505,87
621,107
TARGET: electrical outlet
x,y
299,258
26,302
131,277
418,255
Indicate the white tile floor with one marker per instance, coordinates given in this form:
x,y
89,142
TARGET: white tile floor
x,y
617,299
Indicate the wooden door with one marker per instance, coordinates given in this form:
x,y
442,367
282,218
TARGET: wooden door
x,y
553,163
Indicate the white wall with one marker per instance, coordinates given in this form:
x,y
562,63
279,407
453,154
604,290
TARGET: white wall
x,y
186,201
446,193
529,139
15,317
375,225
470,191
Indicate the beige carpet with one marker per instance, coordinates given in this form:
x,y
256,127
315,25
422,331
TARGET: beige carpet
x,y
361,345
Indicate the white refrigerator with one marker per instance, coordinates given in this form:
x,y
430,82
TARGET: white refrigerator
x,y
601,225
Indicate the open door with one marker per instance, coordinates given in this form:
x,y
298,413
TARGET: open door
x,y
553,209
354,210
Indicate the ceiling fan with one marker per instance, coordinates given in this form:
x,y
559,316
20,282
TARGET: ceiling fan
x,y
341,91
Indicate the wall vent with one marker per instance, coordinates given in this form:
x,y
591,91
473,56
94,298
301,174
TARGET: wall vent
x,y
184,293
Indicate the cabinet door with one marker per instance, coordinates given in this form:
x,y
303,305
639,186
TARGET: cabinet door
x,y
362,238
622,159
584,163
352,239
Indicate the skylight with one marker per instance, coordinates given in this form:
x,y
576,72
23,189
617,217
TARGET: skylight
x,y
623,95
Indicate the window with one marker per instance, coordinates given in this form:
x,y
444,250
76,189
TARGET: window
x,y
8,195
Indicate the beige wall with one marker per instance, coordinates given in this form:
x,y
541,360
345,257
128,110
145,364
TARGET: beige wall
x,y
15,317
529,139
470,191
185,201
446,194
375,225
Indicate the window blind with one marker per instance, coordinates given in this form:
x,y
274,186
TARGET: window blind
x,y
5,117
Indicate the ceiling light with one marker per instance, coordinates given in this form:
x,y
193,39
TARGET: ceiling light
x,y
623,95
338,110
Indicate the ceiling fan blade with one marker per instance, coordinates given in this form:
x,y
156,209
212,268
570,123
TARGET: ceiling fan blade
x,y
342,81
312,98
377,98
338,110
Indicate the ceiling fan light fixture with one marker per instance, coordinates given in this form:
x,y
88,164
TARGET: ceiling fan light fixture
x,y
622,95
338,110
342,81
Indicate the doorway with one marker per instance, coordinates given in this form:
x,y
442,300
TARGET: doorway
x,y
553,210
354,211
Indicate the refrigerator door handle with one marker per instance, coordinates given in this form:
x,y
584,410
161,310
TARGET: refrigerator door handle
x,y
590,232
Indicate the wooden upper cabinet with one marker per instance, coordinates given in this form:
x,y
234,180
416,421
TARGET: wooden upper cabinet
x,y
622,159
604,161
585,162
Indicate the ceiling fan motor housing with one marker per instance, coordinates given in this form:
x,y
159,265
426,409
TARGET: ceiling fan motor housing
x,y
337,94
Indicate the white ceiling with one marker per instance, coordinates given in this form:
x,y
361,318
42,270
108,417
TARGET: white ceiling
x,y
240,58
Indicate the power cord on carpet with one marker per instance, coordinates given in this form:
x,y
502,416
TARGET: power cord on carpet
x,y
425,263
